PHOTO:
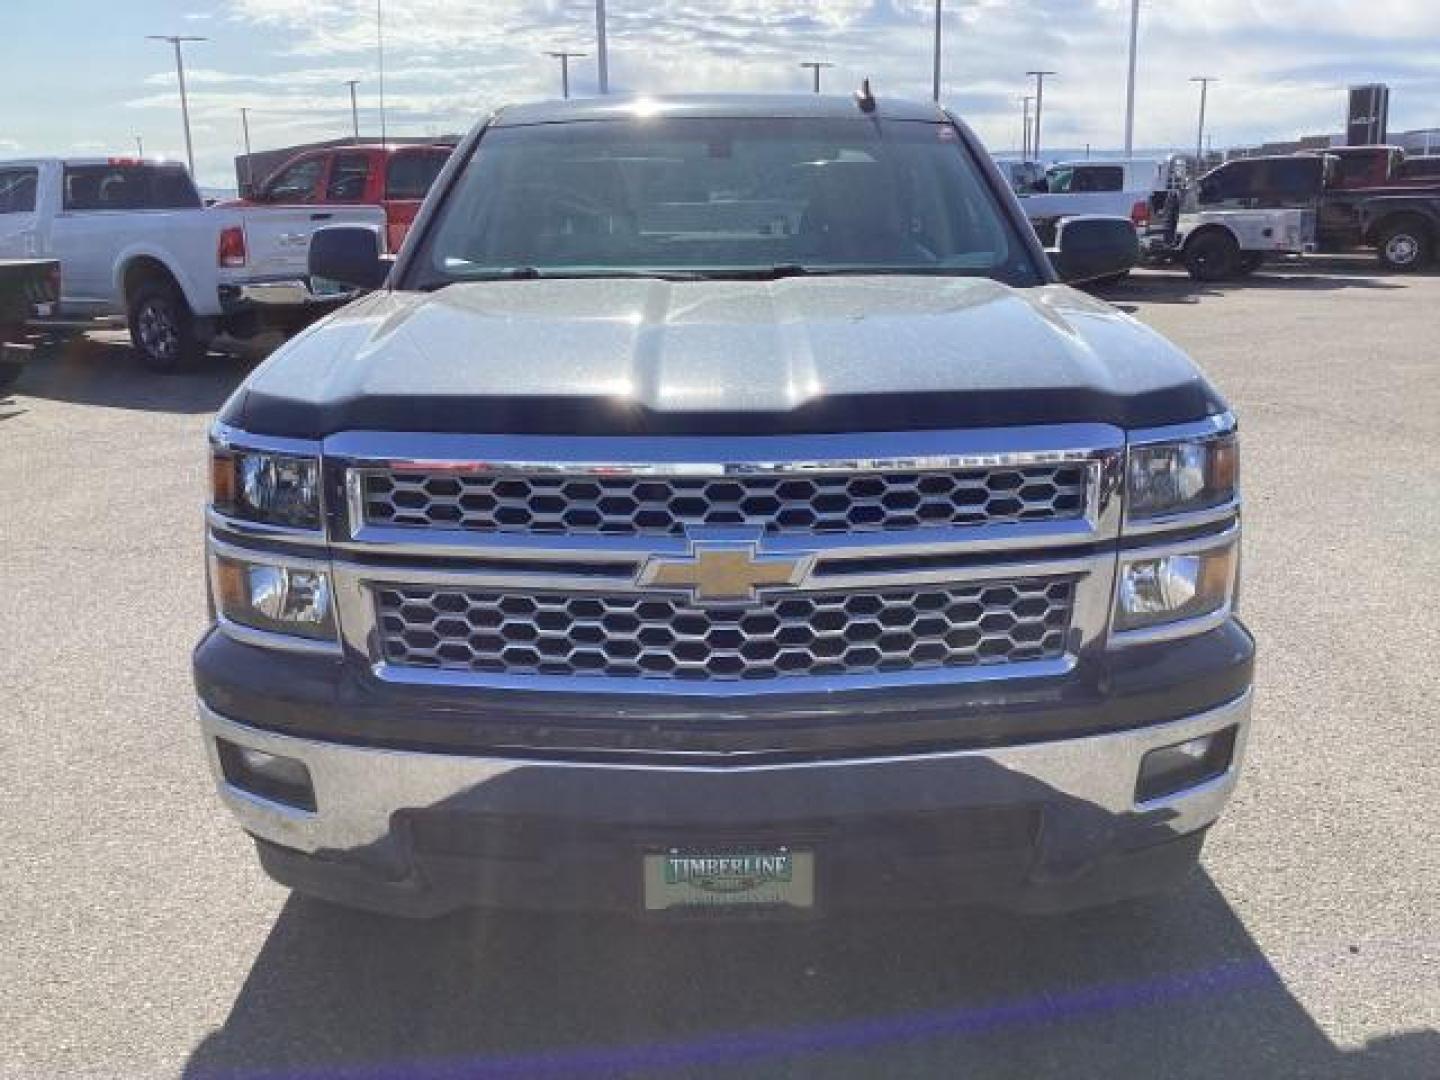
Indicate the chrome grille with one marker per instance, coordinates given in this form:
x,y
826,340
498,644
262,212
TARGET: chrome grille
x,y
631,505
664,637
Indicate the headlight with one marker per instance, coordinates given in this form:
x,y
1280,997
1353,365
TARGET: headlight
x,y
277,489
1178,477
280,599
1154,590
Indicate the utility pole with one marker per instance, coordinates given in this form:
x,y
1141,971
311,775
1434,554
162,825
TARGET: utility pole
x,y
935,91
815,66
354,109
249,161
1039,105
1130,83
139,146
565,58
1025,129
1204,81
176,40
602,51
380,52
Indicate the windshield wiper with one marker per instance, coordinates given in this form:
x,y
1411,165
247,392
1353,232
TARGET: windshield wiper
x,y
533,273
787,270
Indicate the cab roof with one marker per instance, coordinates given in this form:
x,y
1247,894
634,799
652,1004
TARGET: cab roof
x,y
728,106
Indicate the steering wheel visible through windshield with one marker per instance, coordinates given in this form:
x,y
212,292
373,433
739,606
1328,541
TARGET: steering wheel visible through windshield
x,y
721,197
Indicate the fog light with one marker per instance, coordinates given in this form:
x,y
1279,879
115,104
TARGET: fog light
x,y
1171,769
280,779
280,599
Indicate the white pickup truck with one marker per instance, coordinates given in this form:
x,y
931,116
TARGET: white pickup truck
x,y
135,242
1120,188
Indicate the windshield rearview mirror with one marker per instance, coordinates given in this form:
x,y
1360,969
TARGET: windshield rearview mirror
x,y
349,254
1092,247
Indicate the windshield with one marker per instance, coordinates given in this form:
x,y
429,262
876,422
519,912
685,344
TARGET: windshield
x,y
717,197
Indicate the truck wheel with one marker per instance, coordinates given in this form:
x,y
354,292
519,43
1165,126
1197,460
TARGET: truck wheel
x,y
1249,262
162,328
1212,256
1404,245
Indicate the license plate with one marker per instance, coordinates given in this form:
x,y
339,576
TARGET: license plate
x,y
729,877
325,287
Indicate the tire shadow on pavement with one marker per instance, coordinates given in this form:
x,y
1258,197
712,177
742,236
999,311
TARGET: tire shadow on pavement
x,y
104,370
1172,987
1171,287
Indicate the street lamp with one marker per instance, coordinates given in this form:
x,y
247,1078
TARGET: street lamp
x,y
1130,83
1204,81
602,51
139,146
565,58
935,91
175,40
249,161
1039,105
354,108
815,66
1025,129
380,55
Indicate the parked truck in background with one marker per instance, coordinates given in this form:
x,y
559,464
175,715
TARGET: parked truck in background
x,y
29,289
134,241
395,178
721,505
1121,188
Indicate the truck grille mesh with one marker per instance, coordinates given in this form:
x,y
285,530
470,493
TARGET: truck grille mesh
x,y
779,504
665,637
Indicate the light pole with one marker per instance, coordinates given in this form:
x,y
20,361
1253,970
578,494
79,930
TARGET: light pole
x,y
354,109
1039,106
1204,81
249,162
1130,83
139,146
380,52
565,58
175,40
602,51
935,90
1025,129
815,66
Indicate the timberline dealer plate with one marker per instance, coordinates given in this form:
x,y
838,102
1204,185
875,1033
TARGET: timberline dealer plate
x,y
729,877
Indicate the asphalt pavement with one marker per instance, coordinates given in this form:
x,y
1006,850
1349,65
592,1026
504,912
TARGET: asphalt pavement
x,y
139,938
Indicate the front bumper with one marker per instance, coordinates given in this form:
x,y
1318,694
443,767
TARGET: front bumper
x,y
1038,826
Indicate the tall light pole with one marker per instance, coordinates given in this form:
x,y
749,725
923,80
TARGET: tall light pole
x,y
1039,106
249,161
139,146
815,66
1204,81
176,40
565,58
380,53
602,51
354,109
1025,129
1130,83
935,90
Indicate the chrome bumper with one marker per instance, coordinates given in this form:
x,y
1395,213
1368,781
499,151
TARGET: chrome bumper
x,y
288,293
358,790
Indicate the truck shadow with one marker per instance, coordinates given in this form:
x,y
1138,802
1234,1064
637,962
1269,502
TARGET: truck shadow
x,y
1176,287
103,370
1172,988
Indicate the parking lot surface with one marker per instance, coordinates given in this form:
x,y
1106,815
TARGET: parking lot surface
x,y
139,938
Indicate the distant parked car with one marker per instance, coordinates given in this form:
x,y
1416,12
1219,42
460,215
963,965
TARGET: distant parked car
x,y
394,177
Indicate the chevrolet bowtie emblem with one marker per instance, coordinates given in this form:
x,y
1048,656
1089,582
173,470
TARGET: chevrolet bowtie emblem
x,y
724,571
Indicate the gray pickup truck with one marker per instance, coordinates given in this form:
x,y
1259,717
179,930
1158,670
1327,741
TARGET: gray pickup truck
x,y
720,506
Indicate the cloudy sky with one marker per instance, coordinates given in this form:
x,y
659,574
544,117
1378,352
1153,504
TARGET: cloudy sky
x,y
79,77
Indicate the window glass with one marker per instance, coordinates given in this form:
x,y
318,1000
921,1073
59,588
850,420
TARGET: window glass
x,y
297,181
17,190
347,178
410,173
713,194
1098,178
129,187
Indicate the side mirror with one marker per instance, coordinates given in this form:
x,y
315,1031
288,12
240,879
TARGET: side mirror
x,y
349,254
1093,247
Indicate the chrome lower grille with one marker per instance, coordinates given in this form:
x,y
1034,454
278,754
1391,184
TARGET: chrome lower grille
x,y
655,636
644,505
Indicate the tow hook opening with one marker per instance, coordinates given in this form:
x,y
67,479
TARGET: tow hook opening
x,y
1169,770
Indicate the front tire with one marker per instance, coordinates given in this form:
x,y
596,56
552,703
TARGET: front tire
x,y
1212,256
1405,245
163,328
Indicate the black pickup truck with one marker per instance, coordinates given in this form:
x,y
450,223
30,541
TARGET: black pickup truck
x,y
722,505
29,289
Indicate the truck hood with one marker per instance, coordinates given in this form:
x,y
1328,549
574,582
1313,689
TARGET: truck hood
x,y
798,355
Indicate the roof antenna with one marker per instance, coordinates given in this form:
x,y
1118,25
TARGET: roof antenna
x,y
864,98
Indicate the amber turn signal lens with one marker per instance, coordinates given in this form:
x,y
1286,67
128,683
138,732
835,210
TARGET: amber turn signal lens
x,y
222,480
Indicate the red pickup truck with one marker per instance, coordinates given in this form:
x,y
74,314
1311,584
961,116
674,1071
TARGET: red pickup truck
x,y
395,177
